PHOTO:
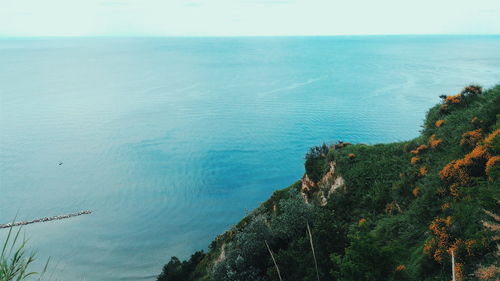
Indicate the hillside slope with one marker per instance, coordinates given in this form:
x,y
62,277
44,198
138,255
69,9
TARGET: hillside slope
x,y
377,212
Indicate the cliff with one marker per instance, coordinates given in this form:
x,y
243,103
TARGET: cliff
x,y
393,211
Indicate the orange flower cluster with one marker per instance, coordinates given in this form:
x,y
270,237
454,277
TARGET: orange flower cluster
x,y
453,99
414,160
362,221
455,171
351,155
471,138
455,246
439,123
443,244
419,149
439,244
423,171
416,191
401,267
434,142
489,139
458,171
459,271
479,152
493,161
487,273
445,206
472,89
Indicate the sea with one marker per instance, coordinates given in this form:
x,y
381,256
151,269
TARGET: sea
x,y
171,141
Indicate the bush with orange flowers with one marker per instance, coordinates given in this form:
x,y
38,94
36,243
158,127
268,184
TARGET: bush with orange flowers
x,y
460,171
439,123
459,271
470,139
455,171
419,149
487,273
414,160
472,90
492,142
493,168
455,99
493,161
491,137
423,171
438,245
434,142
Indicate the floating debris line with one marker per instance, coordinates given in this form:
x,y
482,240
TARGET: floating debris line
x,y
86,212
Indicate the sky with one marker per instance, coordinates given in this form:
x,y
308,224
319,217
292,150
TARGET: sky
x,y
246,17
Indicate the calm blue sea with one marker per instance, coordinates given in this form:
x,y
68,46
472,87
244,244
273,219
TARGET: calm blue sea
x,y
170,141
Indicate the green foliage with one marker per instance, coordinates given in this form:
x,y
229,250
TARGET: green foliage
x,y
365,259
175,270
315,162
15,261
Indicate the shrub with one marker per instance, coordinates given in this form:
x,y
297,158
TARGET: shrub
x,y
438,245
460,171
364,259
492,142
487,273
175,270
470,139
315,162
493,168
434,142
472,90
492,137
419,149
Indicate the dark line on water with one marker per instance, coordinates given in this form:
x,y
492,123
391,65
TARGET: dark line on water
x,y
45,219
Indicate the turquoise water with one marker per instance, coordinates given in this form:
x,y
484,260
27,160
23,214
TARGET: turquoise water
x,y
170,141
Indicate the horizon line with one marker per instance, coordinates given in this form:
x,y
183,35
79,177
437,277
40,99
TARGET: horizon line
x,y
241,36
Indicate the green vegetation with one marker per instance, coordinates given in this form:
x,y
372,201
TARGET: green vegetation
x,y
378,212
15,261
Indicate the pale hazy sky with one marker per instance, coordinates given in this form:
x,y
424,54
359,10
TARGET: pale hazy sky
x,y
246,17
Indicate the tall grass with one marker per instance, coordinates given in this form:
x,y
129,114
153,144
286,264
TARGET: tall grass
x,y
15,260
312,249
275,264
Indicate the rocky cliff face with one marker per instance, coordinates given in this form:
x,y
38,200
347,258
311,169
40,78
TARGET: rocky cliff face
x,y
323,188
